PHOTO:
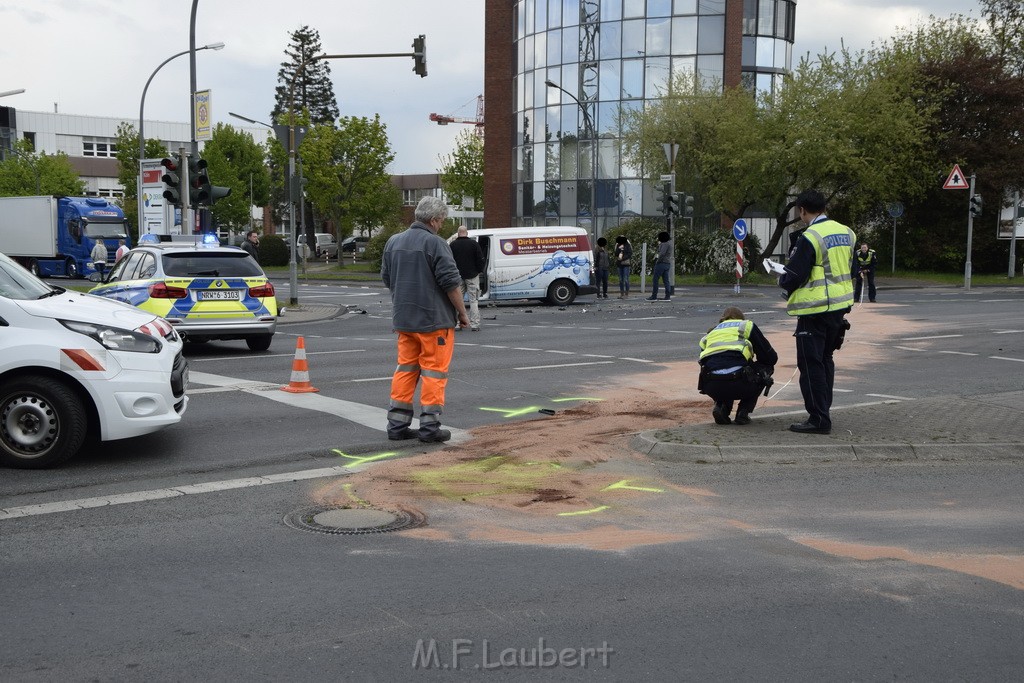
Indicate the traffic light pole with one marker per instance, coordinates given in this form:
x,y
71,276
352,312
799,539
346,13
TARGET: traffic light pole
x,y
419,56
970,236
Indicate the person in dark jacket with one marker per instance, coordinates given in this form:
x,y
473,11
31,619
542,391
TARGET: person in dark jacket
x,y
662,266
470,260
623,261
601,267
737,363
251,245
426,304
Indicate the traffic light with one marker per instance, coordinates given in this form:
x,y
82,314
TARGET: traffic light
x,y
218,192
198,183
172,192
685,204
976,205
419,55
669,205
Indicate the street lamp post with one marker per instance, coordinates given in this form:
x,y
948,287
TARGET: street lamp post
x,y
589,133
142,136
18,91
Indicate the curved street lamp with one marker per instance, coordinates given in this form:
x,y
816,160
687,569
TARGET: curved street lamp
x,y
142,109
589,134
5,93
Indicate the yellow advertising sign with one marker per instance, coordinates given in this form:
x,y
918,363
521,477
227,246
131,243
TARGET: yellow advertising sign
x,y
201,104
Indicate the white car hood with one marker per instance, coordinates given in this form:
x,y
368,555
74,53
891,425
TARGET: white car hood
x,y
87,308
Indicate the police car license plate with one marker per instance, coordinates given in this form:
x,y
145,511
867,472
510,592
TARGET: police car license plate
x,y
219,295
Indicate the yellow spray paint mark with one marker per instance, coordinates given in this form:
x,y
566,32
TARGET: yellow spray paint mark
x,y
624,484
353,497
357,460
509,412
600,508
491,476
575,398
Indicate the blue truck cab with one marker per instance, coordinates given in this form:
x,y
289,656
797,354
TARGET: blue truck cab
x,y
81,222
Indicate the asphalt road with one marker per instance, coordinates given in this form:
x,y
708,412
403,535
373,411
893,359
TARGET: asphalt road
x,y
802,572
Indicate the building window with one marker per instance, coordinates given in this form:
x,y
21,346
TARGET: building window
x,y
93,147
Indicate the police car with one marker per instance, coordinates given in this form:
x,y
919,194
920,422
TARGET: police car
x,y
204,290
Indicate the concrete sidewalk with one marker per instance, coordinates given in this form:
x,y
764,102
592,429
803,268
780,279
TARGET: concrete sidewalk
x,y
944,428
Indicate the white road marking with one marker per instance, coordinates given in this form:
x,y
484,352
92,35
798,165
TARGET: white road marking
x,y
959,353
273,355
524,348
636,360
172,492
1015,360
565,353
895,398
1008,332
563,365
595,355
372,379
680,332
844,391
907,348
368,416
937,336
653,317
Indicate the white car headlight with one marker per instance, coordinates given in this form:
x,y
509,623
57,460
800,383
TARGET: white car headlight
x,y
115,338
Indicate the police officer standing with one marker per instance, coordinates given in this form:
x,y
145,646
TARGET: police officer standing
x,y
819,285
866,262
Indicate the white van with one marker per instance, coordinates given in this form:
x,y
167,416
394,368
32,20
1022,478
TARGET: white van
x,y
548,263
74,365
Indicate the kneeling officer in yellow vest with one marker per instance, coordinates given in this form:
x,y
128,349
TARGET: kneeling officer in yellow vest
x,y
737,363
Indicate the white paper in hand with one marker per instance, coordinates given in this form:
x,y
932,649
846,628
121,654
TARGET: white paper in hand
x,y
773,267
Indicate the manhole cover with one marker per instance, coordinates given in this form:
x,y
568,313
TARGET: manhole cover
x,y
352,521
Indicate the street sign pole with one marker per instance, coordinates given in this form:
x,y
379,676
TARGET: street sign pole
x,y
1013,235
739,231
671,148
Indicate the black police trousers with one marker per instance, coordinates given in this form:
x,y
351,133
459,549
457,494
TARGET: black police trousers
x,y
816,338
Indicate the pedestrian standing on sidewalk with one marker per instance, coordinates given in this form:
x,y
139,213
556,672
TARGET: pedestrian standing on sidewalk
x,y
470,260
426,304
601,267
623,261
99,256
736,364
662,265
819,287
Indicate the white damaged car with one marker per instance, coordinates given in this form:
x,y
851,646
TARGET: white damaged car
x,y
75,366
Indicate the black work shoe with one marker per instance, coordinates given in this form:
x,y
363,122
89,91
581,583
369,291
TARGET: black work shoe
x,y
721,417
742,418
809,428
403,435
436,437
652,298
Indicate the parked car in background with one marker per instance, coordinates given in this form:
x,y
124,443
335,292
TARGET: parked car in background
x,y
326,247
74,367
355,245
205,291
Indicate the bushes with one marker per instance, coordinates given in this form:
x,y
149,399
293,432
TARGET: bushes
x,y
375,247
273,251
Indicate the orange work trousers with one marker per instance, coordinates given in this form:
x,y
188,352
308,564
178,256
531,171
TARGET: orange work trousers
x,y
422,356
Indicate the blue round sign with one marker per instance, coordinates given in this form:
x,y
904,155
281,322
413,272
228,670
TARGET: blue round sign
x,y
739,230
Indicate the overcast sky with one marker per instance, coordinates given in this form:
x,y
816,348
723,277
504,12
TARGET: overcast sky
x,y
93,57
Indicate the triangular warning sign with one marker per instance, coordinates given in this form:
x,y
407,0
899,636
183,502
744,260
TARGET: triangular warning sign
x,y
956,180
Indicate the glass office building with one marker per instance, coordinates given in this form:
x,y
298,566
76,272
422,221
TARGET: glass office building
x,y
577,64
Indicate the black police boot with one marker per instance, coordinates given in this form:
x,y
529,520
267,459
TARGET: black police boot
x,y
721,413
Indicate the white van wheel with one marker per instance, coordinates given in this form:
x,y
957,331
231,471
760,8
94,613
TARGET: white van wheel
x,y
562,292
42,422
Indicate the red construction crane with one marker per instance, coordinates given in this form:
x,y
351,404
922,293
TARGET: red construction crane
x,y
443,120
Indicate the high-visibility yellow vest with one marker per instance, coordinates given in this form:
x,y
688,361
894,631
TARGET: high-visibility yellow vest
x,y
830,285
865,258
728,335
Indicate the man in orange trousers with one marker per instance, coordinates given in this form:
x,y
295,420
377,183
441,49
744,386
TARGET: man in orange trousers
x,y
426,297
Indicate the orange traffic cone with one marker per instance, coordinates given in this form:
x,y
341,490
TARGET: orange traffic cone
x,y
299,383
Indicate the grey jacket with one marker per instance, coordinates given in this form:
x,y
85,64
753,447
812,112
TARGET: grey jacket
x,y
419,269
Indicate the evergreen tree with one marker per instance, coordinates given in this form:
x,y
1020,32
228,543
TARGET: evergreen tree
x,y
313,89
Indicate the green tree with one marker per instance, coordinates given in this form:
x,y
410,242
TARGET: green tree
x,y
237,161
25,173
128,166
347,173
462,171
978,112
839,123
313,89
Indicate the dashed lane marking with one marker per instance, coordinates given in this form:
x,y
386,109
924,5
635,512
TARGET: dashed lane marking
x,y
563,365
1015,360
937,336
